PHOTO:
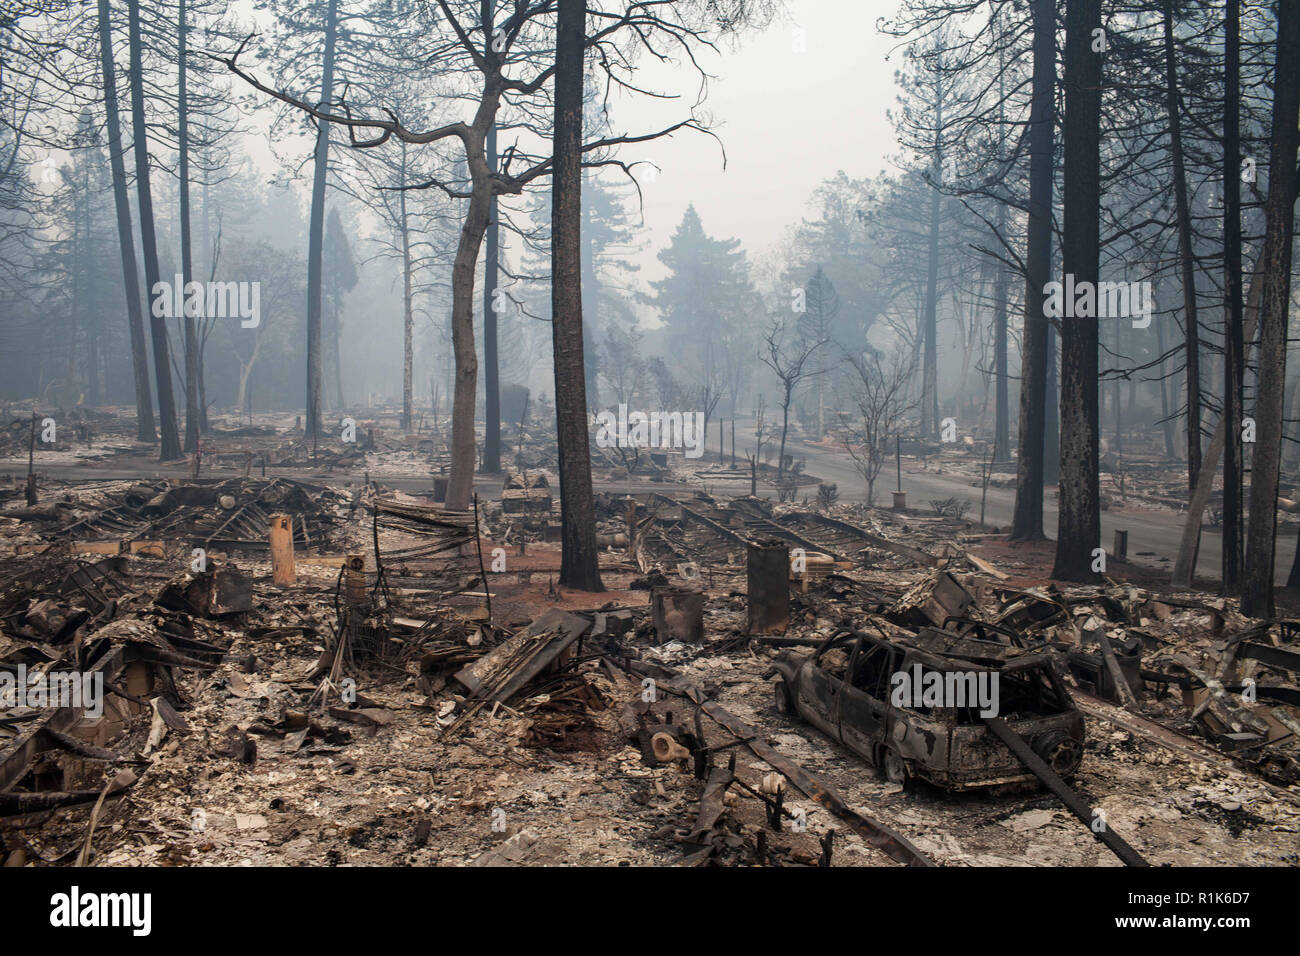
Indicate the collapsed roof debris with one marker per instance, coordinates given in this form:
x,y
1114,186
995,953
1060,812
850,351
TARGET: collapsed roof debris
x,y
422,693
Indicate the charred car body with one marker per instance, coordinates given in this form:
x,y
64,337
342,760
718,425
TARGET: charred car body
x,y
848,688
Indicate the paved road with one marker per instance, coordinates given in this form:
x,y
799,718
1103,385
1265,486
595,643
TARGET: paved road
x,y
1155,531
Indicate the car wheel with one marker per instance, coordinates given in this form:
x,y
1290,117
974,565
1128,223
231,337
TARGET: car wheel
x,y
784,705
1060,751
891,765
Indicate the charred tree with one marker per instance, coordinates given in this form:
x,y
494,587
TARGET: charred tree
x,y
187,248
578,563
1052,413
1279,209
1079,514
1001,413
790,365
637,23
1233,339
491,350
1166,419
1027,521
144,421
1186,262
930,318
491,275
316,232
408,312
1188,551
170,438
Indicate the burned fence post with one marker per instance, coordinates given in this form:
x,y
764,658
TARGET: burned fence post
x,y
1121,545
900,496
678,615
629,518
283,573
31,471
828,843
769,586
354,580
985,471
478,546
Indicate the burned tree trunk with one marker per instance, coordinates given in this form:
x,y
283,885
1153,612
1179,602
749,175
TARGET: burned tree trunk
x,y
1186,263
1001,414
785,430
1166,421
1002,425
316,233
144,423
460,483
1052,412
578,567
1185,561
408,313
1233,340
187,248
491,274
170,438
1079,527
1257,579
206,328
930,320
492,373
1027,522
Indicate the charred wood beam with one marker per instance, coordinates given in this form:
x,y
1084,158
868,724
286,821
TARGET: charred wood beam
x,y
711,806
892,844
13,803
1112,667
56,738
1073,802
1272,656
874,540
17,758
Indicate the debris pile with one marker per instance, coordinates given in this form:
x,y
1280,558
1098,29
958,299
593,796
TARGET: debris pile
x,y
230,515
418,690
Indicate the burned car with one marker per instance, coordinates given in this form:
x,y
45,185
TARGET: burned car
x,y
913,705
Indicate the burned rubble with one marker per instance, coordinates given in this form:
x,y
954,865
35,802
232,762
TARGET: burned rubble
x,y
647,433
300,672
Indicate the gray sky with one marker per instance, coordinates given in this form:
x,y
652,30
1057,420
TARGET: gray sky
x,y
787,119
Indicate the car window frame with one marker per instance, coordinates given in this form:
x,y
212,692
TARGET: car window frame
x,y
861,654
829,644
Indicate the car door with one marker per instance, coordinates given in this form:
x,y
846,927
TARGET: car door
x,y
864,699
822,682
